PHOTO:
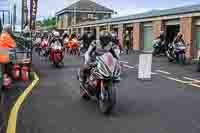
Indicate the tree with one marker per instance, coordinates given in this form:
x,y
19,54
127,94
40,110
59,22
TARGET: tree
x,y
48,22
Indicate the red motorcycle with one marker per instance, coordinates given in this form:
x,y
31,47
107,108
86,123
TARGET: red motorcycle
x,y
44,48
56,54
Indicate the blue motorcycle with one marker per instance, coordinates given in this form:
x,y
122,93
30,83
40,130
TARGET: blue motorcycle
x,y
177,52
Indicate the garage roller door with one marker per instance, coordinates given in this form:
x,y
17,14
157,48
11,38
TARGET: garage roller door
x,y
148,37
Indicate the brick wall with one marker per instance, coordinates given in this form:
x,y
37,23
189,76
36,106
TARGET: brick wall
x,y
120,33
97,32
137,36
186,28
158,26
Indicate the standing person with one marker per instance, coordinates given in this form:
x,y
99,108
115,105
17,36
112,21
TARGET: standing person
x,y
161,41
178,42
6,41
127,39
116,41
179,38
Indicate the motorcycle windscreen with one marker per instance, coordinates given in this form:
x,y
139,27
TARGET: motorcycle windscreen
x,y
106,65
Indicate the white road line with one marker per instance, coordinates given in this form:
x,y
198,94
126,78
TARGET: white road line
x,y
191,79
178,80
123,62
124,65
154,73
164,72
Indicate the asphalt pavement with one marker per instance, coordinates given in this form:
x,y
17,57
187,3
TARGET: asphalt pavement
x,y
162,105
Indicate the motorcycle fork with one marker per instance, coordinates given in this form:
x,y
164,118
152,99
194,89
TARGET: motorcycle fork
x,y
102,90
104,93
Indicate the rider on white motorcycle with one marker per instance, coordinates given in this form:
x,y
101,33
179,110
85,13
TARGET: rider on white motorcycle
x,y
97,48
56,37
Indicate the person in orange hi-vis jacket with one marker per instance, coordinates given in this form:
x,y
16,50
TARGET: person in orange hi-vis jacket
x,y
6,41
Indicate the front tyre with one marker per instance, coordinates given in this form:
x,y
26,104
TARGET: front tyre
x,y
107,105
170,58
104,106
156,51
182,58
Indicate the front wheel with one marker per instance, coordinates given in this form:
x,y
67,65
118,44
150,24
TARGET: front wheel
x,y
156,51
170,58
198,66
56,64
106,105
182,58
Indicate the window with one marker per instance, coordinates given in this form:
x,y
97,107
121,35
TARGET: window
x,y
91,16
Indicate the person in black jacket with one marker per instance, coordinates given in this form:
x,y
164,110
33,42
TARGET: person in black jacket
x,y
97,48
87,39
127,41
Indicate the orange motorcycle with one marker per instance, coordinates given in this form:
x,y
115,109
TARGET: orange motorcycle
x,y
74,47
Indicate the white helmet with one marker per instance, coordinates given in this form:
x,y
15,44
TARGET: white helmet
x,y
7,28
56,34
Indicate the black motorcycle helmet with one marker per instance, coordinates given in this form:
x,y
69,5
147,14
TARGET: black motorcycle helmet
x,y
65,34
105,38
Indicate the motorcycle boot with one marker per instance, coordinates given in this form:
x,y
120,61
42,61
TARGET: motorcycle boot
x,y
83,77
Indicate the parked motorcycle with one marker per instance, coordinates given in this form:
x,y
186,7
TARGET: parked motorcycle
x,y
176,52
56,54
101,85
158,48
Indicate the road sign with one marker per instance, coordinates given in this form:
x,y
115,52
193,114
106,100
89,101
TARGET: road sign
x,y
144,69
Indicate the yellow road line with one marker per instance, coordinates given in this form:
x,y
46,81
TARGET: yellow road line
x,y
14,112
192,79
195,85
184,82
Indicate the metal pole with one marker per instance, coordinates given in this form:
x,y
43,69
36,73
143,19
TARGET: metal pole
x,y
14,23
9,17
3,18
22,24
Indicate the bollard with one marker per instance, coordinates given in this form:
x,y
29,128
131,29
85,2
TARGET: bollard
x,y
144,68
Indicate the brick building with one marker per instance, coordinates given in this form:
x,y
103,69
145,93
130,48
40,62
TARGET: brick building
x,y
146,26
82,11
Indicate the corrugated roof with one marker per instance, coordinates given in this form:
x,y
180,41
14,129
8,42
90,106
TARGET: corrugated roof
x,y
150,14
85,5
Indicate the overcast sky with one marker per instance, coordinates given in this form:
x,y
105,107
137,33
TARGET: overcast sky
x,y
123,7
